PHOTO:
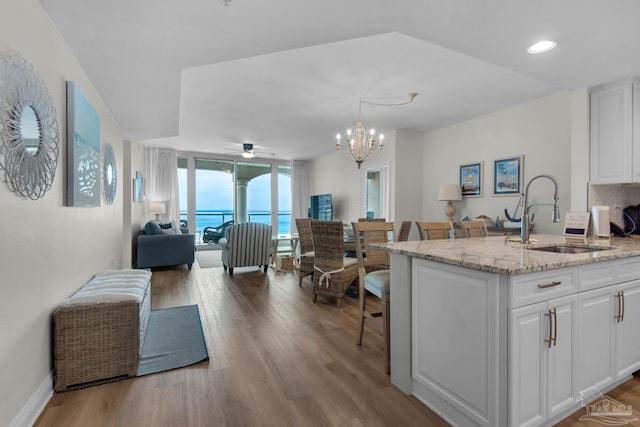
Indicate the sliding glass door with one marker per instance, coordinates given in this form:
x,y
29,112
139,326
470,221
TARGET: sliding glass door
x,y
217,192
253,189
284,201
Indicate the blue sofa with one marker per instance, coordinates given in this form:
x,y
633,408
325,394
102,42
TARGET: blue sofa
x,y
162,245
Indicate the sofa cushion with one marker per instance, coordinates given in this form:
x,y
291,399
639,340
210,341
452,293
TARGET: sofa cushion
x,y
152,227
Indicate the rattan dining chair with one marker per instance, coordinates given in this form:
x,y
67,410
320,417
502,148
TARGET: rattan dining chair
x,y
435,230
474,228
306,248
405,229
372,279
333,272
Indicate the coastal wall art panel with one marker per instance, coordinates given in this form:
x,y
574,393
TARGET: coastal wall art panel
x,y
83,150
138,188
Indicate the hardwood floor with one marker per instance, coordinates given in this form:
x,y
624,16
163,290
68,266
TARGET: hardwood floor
x,y
275,359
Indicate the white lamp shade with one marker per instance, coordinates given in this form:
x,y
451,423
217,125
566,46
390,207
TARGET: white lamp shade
x,y
448,192
157,208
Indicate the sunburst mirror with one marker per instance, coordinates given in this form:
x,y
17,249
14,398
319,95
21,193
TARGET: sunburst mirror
x,y
109,173
28,128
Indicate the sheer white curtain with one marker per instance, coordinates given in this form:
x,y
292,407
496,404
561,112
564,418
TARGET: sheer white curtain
x,y
299,192
162,181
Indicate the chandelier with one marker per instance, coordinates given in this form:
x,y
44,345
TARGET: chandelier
x,y
361,139
226,2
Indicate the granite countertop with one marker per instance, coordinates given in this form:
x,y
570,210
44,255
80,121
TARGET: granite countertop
x,y
502,255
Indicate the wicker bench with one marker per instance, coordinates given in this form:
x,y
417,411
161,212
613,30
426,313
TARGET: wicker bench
x,y
99,331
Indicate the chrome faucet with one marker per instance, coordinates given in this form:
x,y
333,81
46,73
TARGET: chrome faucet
x,y
524,231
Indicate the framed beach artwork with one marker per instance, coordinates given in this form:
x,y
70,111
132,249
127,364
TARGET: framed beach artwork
x,y
83,150
138,188
471,179
508,174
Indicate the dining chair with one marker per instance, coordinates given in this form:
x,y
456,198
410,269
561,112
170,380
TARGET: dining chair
x,y
435,230
405,229
372,279
306,248
333,272
474,228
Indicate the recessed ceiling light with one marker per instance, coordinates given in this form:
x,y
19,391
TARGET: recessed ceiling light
x,y
543,46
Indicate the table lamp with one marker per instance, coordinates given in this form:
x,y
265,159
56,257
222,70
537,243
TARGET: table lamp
x,y
449,193
158,208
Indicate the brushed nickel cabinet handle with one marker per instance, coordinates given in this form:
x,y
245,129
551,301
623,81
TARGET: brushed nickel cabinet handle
x,y
620,314
551,339
549,285
555,326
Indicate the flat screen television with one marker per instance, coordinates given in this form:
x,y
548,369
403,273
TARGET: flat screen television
x,y
320,207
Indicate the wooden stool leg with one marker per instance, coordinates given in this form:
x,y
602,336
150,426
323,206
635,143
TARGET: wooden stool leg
x,y
361,296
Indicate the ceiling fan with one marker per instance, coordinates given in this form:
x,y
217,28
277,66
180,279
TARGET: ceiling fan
x,y
248,151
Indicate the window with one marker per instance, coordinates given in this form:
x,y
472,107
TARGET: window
x,y
223,190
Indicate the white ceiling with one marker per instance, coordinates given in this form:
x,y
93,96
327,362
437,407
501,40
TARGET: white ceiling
x,y
287,75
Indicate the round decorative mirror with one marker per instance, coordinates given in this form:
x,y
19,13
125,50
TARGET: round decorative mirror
x,y
28,128
109,174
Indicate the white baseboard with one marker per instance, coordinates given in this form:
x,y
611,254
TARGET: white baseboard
x,y
36,403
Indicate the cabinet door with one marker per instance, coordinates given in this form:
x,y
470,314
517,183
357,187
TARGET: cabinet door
x,y
562,356
527,364
611,133
596,338
628,329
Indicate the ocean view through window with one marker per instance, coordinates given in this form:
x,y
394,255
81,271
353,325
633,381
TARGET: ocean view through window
x,y
233,190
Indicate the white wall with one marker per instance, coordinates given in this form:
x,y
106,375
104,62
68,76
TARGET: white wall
x,y
340,176
410,168
47,250
551,133
540,130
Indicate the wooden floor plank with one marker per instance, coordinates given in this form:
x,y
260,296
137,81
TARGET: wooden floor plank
x,y
276,359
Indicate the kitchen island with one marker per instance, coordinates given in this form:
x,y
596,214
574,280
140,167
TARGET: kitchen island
x,y
491,332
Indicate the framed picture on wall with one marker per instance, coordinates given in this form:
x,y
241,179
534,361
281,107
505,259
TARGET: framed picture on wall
x,y
508,175
471,179
138,188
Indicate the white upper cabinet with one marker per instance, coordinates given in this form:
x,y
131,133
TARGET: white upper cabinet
x,y
615,132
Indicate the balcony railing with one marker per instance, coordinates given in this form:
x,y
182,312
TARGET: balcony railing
x,y
214,219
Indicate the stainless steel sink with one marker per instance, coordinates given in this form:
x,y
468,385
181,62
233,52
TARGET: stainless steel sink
x,y
568,249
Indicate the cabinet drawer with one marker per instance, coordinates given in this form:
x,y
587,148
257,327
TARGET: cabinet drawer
x,y
627,269
536,287
594,276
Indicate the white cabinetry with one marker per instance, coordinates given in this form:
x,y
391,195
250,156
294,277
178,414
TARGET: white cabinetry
x,y
519,350
595,340
542,355
615,132
609,336
456,346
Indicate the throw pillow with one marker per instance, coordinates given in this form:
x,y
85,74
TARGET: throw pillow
x,y
169,228
176,226
152,227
